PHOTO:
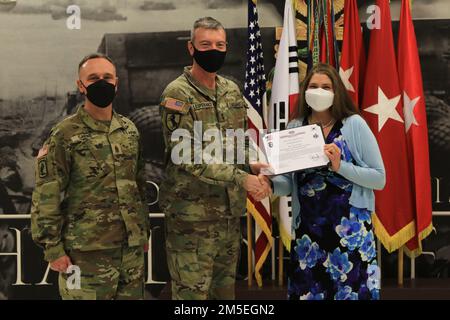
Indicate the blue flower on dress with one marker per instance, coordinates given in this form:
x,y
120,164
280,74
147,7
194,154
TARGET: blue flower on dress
x,y
339,141
345,151
340,182
338,265
315,292
375,294
367,249
373,279
346,293
311,296
352,233
308,252
362,215
310,189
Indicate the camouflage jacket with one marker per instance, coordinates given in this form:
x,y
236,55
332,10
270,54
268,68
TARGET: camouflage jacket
x,y
88,193
202,192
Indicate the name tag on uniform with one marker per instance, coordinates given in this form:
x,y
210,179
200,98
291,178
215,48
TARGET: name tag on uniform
x,y
203,105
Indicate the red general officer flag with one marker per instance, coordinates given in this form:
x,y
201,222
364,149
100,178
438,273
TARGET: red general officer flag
x,y
353,57
394,218
410,78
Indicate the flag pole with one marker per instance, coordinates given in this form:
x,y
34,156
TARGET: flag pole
x,y
272,254
280,261
249,249
400,267
379,257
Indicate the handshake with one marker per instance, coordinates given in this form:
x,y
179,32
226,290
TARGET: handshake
x,y
257,184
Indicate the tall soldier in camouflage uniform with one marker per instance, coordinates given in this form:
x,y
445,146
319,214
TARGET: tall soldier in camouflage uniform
x,y
87,207
203,203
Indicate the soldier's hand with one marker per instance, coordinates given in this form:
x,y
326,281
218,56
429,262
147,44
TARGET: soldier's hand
x,y
252,183
265,191
61,264
257,186
265,181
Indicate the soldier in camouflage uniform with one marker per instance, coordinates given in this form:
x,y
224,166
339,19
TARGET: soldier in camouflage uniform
x,y
203,203
88,205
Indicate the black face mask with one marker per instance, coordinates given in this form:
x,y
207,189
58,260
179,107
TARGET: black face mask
x,y
101,93
210,60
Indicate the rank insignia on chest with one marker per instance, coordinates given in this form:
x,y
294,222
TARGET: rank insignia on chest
x,y
173,121
42,167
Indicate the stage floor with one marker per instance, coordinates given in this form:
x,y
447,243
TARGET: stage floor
x,y
418,289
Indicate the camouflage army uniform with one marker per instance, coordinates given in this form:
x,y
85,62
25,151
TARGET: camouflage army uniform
x,y
202,202
88,204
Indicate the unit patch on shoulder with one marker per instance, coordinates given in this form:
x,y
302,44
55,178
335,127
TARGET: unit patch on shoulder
x,y
172,121
42,167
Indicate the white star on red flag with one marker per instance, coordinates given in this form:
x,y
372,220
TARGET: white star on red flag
x,y
408,110
385,109
345,76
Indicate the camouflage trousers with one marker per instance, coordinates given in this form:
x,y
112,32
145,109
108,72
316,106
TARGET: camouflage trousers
x,y
202,258
111,274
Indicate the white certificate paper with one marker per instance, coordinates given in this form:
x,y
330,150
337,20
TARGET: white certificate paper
x,y
294,149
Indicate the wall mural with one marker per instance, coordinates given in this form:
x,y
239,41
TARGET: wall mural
x,y
42,43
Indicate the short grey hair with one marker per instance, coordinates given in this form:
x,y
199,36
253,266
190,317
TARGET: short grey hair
x,y
96,55
206,23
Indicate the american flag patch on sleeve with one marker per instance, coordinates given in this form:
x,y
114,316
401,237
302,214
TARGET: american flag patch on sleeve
x,y
174,104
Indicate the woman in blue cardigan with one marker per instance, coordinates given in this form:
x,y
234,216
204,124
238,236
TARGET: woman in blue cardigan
x,y
333,253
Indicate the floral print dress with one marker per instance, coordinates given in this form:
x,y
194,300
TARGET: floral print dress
x,y
333,254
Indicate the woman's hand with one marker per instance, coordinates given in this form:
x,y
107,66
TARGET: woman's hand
x,y
333,153
257,166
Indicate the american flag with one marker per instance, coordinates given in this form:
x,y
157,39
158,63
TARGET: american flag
x,y
255,96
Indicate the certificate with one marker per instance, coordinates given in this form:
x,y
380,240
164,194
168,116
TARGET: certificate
x,y
294,149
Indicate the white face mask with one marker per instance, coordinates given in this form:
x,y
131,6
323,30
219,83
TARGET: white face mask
x,y
319,99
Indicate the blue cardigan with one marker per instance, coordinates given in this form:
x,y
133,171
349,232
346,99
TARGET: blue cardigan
x,y
367,175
